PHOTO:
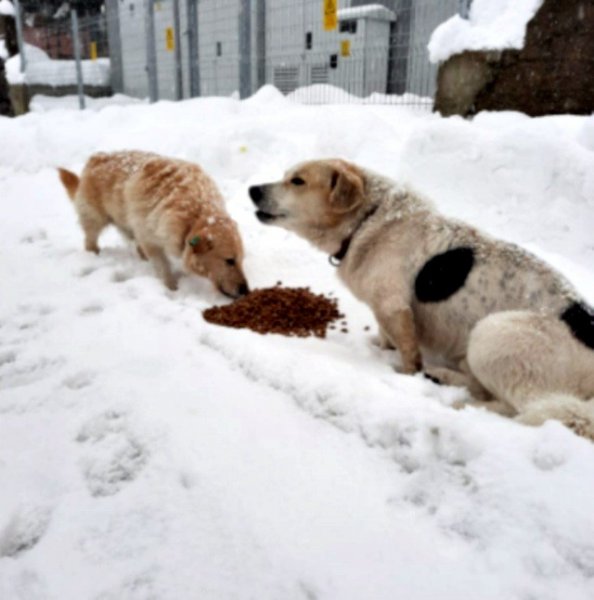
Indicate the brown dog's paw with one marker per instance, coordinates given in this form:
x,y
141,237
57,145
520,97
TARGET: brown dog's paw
x,y
171,284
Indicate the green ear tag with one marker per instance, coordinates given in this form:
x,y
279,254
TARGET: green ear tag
x,y
194,241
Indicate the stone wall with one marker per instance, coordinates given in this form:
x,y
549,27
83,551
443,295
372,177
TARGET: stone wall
x,y
552,74
5,103
8,34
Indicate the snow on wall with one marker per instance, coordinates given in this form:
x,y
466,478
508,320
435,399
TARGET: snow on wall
x,y
368,11
41,69
491,25
6,8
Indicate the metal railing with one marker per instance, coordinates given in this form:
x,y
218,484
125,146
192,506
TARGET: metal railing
x,y
175,49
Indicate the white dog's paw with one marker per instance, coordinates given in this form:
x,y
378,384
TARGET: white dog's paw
x,y
575,414
381,341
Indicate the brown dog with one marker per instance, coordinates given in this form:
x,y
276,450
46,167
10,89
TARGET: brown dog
x,y
168,207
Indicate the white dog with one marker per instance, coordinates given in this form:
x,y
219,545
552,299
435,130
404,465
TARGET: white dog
x,y
507,325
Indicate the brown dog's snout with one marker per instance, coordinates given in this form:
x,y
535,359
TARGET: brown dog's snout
x,y
234,285
236,292
256,194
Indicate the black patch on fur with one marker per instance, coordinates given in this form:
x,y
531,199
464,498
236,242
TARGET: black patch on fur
x,y
444,274
580,319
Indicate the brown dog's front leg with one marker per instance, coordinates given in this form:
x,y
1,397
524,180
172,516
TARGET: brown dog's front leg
x,y
399,326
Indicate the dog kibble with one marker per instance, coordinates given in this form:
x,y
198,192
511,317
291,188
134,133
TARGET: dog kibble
x,y
296,312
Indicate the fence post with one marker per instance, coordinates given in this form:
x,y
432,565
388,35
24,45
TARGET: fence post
x,y
79,75
193,55
151,50
401,49
261,43
115,45
20,39
245,48
464,8
179,78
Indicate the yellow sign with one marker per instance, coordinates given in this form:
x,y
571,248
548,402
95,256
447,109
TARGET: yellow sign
x,y
330,15
345,47
169,39
93,50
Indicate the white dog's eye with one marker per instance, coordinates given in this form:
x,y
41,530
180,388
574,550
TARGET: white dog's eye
x,y
297,181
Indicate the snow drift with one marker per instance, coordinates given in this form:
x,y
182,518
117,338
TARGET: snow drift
x,y
158,456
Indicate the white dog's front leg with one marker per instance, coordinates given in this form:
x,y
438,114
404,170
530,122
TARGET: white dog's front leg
x,y
381,340
398,325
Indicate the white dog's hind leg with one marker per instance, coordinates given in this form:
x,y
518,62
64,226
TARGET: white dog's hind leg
x,y
445,376
533,363
574,413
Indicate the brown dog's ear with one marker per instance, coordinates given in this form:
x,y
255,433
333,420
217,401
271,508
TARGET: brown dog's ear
x,y
347,189
200,244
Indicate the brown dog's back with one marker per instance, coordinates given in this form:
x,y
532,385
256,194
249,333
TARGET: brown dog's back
x,y
169,207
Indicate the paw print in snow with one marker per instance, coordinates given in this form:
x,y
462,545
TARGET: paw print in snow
x,y
114,457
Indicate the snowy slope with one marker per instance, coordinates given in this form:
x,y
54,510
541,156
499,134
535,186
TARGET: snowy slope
x,y
147,454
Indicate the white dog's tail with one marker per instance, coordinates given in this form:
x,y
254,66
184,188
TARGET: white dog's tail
x,y
70,182
574,413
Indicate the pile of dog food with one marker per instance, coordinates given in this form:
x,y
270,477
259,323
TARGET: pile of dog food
x,y
289,311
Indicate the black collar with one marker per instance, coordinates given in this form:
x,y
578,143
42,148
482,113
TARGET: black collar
x,y
336,259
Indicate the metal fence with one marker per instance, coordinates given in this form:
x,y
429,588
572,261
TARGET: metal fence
x,y
57,41
356,51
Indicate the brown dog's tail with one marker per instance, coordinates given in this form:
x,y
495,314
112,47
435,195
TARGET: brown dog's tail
x,y
70,182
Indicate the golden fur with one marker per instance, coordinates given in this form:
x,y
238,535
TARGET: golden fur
x,y
168,207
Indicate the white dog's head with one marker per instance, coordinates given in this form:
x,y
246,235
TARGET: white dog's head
x,y
312,199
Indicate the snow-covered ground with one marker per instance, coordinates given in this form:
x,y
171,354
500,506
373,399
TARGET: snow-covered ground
x,y
146,454
323,93
41,103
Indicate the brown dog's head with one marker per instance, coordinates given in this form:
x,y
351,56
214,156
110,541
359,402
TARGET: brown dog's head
x,y
213,249
312,199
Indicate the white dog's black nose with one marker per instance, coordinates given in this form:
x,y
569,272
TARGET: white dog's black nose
x,y
256,193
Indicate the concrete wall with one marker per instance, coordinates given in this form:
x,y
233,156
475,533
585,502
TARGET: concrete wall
x,y
290,64
218,25
8,35
132,34
425,17
372,65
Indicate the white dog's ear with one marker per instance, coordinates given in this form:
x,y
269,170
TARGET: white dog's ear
x,y
346,189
